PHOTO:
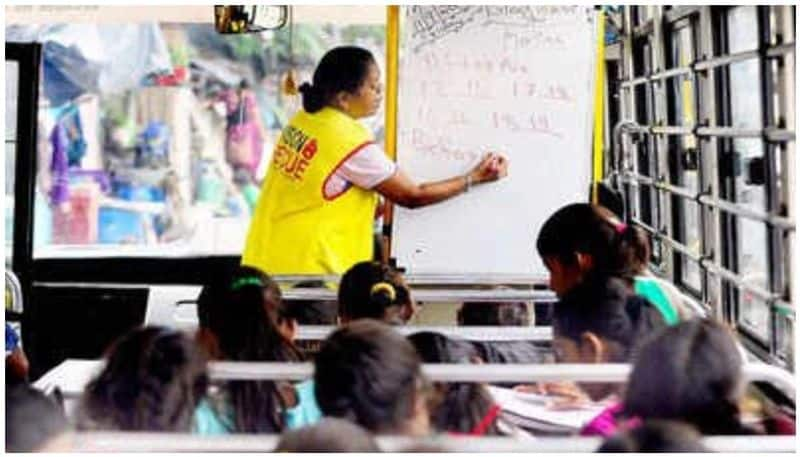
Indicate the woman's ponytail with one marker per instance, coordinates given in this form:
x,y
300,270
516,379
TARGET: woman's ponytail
x,y
313,99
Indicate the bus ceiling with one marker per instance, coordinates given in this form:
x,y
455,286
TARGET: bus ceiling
x,y
200,14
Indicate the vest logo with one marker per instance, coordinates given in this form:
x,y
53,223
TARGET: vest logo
x,y
294,153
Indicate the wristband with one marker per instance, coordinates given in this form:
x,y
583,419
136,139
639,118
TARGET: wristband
x,y
468,178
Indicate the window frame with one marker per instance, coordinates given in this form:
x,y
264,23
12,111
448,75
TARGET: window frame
x,y
721,281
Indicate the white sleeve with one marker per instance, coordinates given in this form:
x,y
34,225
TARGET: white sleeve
x,y
367,168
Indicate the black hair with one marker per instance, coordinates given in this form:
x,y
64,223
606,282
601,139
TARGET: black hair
x,y
368,373
689,372
32,419
494,313
328,435
616,248
656,436
247,281
373,290
210,303
461,406
153,379
314,312
342,69
607,308
247,331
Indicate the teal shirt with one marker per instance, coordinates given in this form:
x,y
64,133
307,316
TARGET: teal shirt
x,y
306,412
650,290
210,421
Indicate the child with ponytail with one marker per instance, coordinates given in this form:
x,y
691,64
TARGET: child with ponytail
x,y
376,291
586,244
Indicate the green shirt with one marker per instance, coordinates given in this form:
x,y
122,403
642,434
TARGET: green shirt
x,y
649,289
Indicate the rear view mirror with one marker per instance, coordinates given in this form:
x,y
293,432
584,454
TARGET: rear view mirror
x,y
249,18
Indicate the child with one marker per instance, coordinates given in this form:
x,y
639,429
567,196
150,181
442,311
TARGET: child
x,y
210,304
604,328
153,379
502,314
369,374
582,243
462,408
329,435
314,312
278,310
244,323
691,372
495,314
34,422
376,291
656,436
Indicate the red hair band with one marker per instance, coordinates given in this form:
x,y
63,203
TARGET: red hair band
x,y
483,426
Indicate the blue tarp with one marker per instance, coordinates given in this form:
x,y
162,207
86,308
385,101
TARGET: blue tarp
x,y
105,58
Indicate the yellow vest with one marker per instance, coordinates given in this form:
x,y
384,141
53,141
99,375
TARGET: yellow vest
x,y
297,230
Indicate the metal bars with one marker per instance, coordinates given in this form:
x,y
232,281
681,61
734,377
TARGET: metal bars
x,y
702,65
708,77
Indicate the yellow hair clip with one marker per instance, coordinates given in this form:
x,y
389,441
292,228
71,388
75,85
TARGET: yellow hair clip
x,y
386,287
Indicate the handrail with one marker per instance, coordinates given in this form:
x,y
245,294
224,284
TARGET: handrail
x,y
181,442
428,294
12,281
448,294
469,333
72,375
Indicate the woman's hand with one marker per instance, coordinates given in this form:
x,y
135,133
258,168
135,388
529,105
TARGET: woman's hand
x,y
493,167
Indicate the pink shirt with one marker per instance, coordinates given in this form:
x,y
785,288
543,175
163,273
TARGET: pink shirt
x,y
606,423
366,169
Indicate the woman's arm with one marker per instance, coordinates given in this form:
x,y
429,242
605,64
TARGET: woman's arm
x,y
400,189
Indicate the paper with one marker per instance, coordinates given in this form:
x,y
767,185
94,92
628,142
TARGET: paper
x,y
535,408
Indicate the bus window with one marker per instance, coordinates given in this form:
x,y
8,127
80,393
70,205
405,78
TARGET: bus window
x,y
684,149
163,153
710,177
749,189
12,78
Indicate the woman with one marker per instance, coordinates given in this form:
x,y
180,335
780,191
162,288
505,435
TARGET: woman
x,y
319,197
245,134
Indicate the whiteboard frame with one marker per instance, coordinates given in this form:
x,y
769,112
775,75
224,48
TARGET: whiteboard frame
x,y
492,277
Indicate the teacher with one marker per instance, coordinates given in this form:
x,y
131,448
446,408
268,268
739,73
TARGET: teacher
x,y
318,201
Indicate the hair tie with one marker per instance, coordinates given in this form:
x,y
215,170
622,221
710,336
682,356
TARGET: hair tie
x,y
385,287
246,281
482,427
620,228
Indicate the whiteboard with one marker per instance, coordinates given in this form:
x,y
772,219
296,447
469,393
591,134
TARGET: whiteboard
x,y
473,79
